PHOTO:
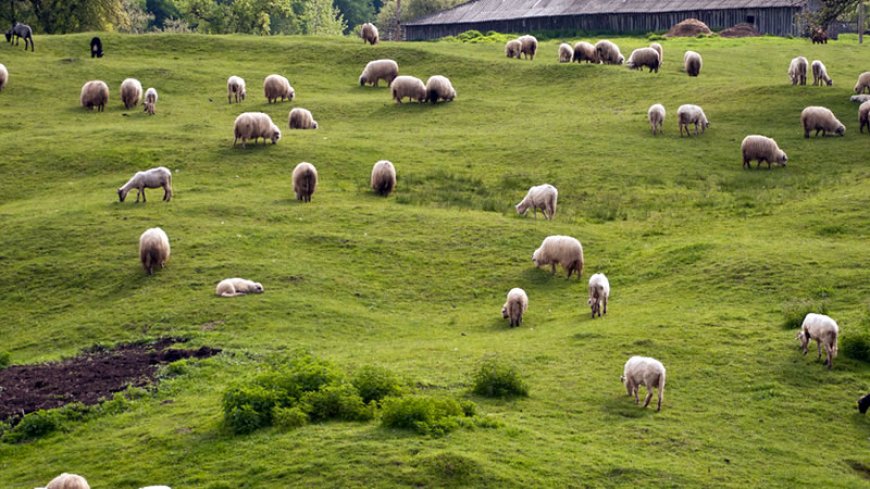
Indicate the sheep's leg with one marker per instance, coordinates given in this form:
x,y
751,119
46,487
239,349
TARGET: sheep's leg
x,y
649,394
819,345
636,389
553,268
605,305
661,394
143,195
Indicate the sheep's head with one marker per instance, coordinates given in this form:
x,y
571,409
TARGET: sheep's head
x,y
622,378
804,340
536,257
362,80
276,134
841,130
781,158
122,194
242,94
258,288
522,207
830,82
290,94
620,59
864,404
504,311
313,124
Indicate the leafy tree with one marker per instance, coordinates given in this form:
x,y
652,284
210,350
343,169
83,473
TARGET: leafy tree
x,y
828,11
356,12
62,16
320,18
161,10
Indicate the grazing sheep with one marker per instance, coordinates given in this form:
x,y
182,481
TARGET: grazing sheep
x,y
692,63
566,53
584,51
656,116
599,292
641,57
821,120
647,372
131,93
20,31
864,404
408,86
236,89
529,46
513,49
824,330
383,178
819,36
4,76
820,74
95,93
692,114
153,178
542,197
304,181
266,129
797,70
254,125
381,69
659,49
608,53
301,119
864,116
234,287
761,148
150,100
277,87
516,304
439,88
68,481
563,250
153,249
369,33
96,48
863,82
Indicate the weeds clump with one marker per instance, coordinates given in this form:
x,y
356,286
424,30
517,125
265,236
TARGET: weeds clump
x,y
5,359
375,383
497,378
795,312
434,416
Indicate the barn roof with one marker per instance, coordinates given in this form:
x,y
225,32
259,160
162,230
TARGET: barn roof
x,y
490,10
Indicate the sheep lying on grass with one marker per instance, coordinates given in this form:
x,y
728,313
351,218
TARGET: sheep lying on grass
x,y
797,70
369,33
234,287
150,100
68,481
304,181
542,197
566,53
131,93
381,69
761,148
277,87
692,63
408,86
821,119
383,178
563,250
95,93
824,330
301,119
647,372
516,304
692,114
820,74
599,292
153,178
153,249
656,116
584,51
236,89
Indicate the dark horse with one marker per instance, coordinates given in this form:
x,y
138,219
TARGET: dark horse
x,y
96,48
20,30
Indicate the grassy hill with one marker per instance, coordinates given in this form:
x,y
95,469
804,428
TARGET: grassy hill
x,y
702,256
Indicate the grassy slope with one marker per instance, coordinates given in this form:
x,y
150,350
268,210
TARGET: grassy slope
x,y
701,256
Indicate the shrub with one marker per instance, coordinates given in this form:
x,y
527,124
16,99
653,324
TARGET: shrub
x,y
289,418
795,312
375,383
248,408
857,346
424,414
4,359
34,425
496,378
311,374
451,466
337,401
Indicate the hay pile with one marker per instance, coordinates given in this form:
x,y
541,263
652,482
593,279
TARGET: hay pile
x,y
689,28
740,30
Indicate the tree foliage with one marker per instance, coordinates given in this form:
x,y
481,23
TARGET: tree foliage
x,y
828,12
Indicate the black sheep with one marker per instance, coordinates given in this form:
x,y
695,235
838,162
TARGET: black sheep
x,y
96,48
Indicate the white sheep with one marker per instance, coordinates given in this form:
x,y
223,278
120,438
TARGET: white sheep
x,y
761,148
797,70
608,53
439,88
820,74
301,119
529,46
513,49
153,249
68,481
584,51
4,76
563,250
131,92
369,33
236,89
863,82
692,63
692,114
304,181
380,69
656,116
95,93
150,100
599,292
647,372
153,178
408,86
659,49
641,57
821,119
254,125
277,87
234,287
864,116
824,330
383,179
266,128
544,197
516,305
566,53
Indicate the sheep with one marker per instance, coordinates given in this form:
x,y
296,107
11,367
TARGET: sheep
x,y
824,330
584,51
566,53
266,129
254,125
542,197
234,287
864,404
647,372
20,30
369,33
439,88
153,178
656,116
408,86
797,71
68,481
275,87
692,63
659,49
821,120
863,82
377,70
761,148
150,100
563,250
96,48
641,57
383,178
820,74
608,53
513,49
95,93
131,92
599,292
864,116
153,249
236,89
304,181
692,114
529,46
4,76
301,119
517,303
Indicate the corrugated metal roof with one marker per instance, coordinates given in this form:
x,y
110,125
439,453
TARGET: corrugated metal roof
x,y
488,10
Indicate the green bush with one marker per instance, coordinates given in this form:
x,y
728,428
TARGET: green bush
x,y
375,383
289,418
496,378
4,359
794,312
337,401
857,346
34,425
424,414
248,408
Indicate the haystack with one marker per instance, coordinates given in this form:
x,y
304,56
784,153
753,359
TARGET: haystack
x,y
689,28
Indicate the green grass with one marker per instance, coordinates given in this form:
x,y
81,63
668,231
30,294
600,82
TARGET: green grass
x,y
703,258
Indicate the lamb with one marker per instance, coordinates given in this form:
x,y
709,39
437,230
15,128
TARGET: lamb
x,y
566,53
517,303
369,33
821,120
236,89
692,63
761,148
4,76
275,87
656,116
563,250
20,30
864,404
301,119
529,46
153,178
825,331
408,86
659,49
234,287
820,74
542,197
513,49
863,82
68,481
96,48
599,292
383,178
131,93
864,116
641,57
153,249
584,51
254,125
647,372
304,181
95,93
439,88
381,69
608,53
150,100
692,114
797,70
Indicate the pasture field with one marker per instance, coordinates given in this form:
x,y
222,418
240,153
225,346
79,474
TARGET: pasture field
x,y
703,258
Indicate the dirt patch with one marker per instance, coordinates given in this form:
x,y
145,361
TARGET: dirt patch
x,y
93,375
740,30
689,28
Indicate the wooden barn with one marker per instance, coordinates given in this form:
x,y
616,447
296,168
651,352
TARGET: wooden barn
x,y
775,17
